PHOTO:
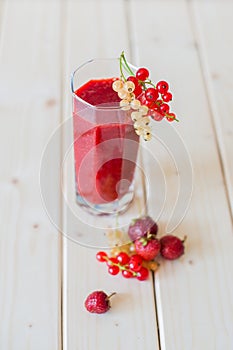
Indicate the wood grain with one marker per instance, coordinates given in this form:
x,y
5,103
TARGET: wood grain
x,y
212,27
30,246
194,293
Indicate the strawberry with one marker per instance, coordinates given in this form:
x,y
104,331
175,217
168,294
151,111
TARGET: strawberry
x,y
172,247
98,302
142,226
147,247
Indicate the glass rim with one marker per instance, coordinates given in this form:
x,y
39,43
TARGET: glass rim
x,y
87,104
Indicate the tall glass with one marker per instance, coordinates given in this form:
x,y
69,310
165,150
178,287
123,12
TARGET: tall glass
x,y
105,145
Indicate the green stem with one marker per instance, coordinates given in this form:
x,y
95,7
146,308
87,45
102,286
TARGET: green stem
x,y
121,70
126,64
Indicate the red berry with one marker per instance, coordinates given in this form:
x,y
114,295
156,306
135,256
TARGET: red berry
x,y
122,258
101,256
141,226
172,117
172,247
151,94
142,274
113,270
164,108
156,115
138,90
98,302
112,261
135,262
148,249
133,79
162,86
167,97
127,274
142,74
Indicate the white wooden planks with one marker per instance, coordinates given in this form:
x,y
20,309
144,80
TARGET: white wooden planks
x,y
99,29
194,294
29,109
212,26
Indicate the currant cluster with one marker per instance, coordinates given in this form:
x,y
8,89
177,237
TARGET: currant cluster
x,y
129,266
139,93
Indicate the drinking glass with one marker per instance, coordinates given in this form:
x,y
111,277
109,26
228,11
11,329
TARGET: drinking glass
x,y
105,145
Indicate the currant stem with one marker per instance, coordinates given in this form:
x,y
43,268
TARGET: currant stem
x,y
126,64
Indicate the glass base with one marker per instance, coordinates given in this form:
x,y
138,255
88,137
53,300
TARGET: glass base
x,y
112,208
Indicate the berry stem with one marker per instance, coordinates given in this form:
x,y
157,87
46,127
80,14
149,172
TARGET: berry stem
x,y
169,116
111,295
126,64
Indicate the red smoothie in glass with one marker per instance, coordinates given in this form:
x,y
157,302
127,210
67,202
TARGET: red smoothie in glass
x,y
105,144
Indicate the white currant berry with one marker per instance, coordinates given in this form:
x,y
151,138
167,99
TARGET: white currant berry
x,y
135,116
143,110
123,94
117,85
135,104
139,124
147,136
129,86
125,105
146,120
139,131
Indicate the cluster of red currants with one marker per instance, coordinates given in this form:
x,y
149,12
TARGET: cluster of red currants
x,y
138,92
156,98
129,266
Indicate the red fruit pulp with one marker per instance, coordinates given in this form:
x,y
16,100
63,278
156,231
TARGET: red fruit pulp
x,y
105,144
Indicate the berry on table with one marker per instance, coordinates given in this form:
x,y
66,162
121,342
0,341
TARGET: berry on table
x,y
102,256
142,74
98,302
127,274
172,247
122,258
142,274
112,261
135,262
142,226
113,270
147,248
162,86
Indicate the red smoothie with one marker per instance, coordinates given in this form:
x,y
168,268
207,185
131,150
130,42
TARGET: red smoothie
x,y
105,143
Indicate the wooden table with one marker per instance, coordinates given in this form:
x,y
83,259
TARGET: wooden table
x,y
45,276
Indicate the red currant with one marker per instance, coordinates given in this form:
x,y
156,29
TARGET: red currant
x,y
171,118
162,86
151,94
135,262
122,258
167,97
142,274
142,74
101,256
127,274
164,108
138,90
113,270
156,115
112,261
133,79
